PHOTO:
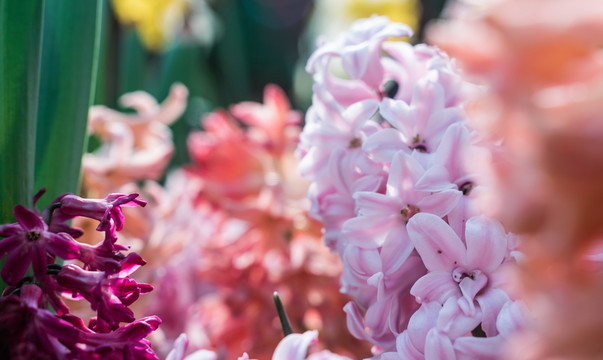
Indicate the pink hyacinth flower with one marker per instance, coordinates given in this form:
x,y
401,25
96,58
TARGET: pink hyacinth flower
x,y
464,270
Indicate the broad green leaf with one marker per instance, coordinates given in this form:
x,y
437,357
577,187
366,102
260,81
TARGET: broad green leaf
x,y
69,65
20,46
20,41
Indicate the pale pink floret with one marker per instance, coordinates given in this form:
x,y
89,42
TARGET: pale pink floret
x,y
418,125
466,270
360,48
383,216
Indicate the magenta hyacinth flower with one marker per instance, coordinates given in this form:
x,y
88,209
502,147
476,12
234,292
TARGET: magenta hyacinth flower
x,y
110,295
30,332
108,210
27,242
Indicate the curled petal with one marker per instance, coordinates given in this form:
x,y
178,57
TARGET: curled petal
x,y
295,346
436,242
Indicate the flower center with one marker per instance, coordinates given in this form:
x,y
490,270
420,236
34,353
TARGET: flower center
x,y
355,143
459,274
466,187
33,235
390,89
409,211
418,144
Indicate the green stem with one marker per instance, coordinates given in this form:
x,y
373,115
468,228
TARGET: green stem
x,y
282,315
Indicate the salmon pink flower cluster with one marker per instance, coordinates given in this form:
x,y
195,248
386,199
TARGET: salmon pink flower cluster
x,y
226,231
542,61
386,146
35,321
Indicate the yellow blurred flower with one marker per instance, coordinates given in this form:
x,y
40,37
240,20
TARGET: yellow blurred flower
x,y
330,17
404,11
156,21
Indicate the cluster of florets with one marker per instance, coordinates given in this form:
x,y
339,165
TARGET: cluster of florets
x,y
35,322
385,146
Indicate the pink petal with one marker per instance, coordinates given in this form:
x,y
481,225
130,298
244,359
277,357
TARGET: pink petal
x,y
438,346
16,264
511,318
436,286
470,347
400,115
39,260
491,302
405,170
346,92
438,245
62,245
354,321
360,112
486,243
9,244
363,263
440,203
373,74
427,97
29,220
436,178
405,350
371,204
453,320
421,322
383,145
355,59
369,231
396,249
179,349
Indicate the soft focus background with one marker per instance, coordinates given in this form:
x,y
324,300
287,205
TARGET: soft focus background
x,y
226,51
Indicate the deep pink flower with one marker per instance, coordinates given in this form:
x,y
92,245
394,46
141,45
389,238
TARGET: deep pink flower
x,y
27,243
108,210
125,342
98,257
110,295
30,332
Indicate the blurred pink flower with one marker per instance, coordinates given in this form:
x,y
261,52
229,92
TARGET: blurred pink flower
x,y
543,64
135,146
226,231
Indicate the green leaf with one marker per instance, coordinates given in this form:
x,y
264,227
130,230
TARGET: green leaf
x,y
20,41
69,66
20,46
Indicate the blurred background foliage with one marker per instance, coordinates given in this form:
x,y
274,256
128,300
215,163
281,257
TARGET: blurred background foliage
x,y
226,51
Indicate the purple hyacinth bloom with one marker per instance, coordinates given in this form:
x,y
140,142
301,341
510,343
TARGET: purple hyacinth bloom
x,y
110,295
30,332
108,210
27,242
